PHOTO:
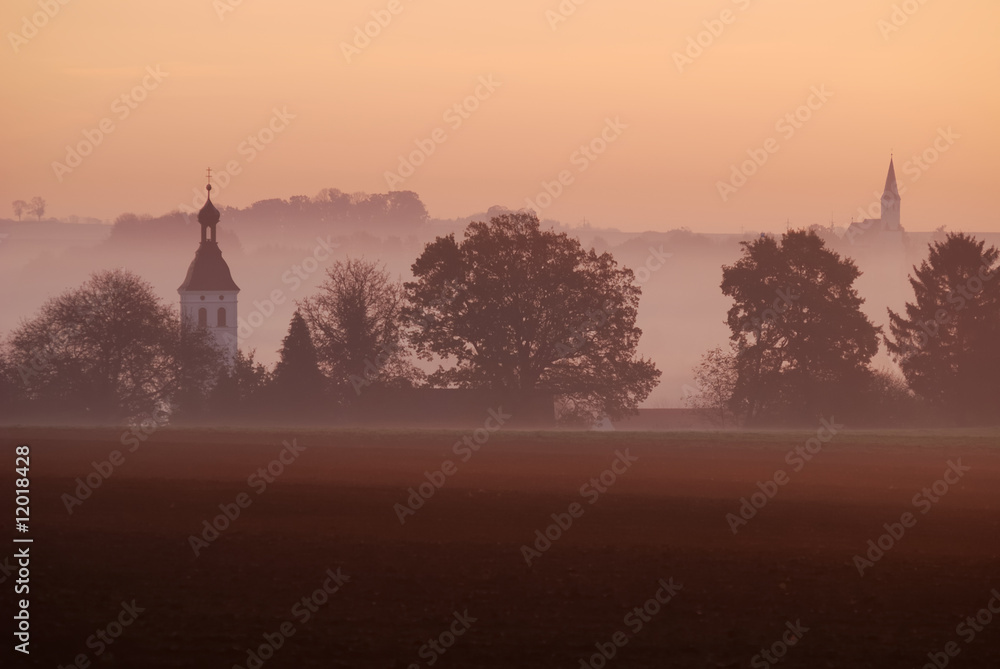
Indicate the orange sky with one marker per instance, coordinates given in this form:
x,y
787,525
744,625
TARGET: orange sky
x,y
227,71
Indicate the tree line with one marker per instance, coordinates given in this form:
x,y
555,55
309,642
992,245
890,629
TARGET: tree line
x,y
398,213
801,348
36,207
510,307
520,310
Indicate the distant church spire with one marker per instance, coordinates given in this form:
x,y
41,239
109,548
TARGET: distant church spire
x,y
890,201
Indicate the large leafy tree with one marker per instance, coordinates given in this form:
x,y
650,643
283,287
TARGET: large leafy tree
x,y
356,320
107,351
948,340
803,343
520,309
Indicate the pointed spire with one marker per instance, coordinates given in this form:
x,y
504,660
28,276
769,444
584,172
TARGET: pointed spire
x,y
891,201
890,182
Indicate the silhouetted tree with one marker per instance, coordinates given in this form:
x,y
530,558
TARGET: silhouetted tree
x,y
301,217
804,343
37,207
948,341
405,210
199,363
715,376
298,387
521,310
889,402
241,390
19,206
356,320
107,351
11,402
299,203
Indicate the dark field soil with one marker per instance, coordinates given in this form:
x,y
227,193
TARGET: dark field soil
x,y
665,517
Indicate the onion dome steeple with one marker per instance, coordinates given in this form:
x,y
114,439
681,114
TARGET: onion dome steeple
x,y
208,217
208,271
209,296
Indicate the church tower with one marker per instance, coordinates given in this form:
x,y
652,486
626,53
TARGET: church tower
x,y
890,202
208,294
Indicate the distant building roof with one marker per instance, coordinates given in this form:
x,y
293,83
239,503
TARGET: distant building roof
x,y
867,224
208,271
209,215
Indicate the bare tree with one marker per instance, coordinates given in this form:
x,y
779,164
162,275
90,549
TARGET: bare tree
x,y
357,324
37,207
20,206
715,376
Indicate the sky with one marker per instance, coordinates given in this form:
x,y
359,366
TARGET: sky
x,y
640,115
